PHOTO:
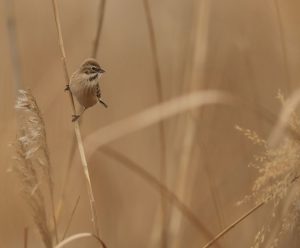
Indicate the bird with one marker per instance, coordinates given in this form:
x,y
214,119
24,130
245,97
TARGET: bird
x,y
84,85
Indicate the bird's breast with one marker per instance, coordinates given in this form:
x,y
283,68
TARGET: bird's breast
x,y
85,92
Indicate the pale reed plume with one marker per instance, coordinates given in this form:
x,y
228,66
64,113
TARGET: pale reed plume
x,y
33,164
279,172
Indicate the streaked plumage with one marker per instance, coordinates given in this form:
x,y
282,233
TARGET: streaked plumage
x,y
84,85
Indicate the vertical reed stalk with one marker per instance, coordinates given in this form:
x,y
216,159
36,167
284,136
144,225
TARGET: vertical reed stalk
x,y
158,81
26,237
194,75
101,11
283,44
76,125
99,28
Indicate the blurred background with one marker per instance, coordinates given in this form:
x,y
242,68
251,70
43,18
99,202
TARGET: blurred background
x,y
248,48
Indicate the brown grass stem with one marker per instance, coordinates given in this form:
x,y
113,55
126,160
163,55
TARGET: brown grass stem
x,y
71,218
76,125
99,28
158,80
160,187
26,229
227,229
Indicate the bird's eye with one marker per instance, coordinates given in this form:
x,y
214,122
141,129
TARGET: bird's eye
x,y
94,68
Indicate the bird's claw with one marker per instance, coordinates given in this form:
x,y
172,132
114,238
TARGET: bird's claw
x,y
75,117
103,103
67,87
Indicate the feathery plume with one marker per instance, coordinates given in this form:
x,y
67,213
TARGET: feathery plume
x,y
33,163
277,182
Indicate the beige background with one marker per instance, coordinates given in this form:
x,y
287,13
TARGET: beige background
x,y
243,47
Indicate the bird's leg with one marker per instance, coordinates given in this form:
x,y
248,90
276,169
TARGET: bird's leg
x,y
67,87
103,103
76,117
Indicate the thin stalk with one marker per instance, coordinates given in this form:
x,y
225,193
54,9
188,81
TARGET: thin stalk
x,y
94,52
51,190
26,237
50,185
99,28
76,125
71,218
283,44
227,229
158,81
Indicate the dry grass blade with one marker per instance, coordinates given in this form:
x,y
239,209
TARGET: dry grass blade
x,y
76,125
79,236
283,121
227,229
153,115
156,184
33,163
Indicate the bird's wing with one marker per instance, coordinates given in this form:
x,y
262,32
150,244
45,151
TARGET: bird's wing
x,y
98,91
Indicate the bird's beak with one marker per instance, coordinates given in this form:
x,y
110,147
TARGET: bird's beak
x,y
101,70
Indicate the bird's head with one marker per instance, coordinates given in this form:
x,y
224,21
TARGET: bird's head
x,y
91,67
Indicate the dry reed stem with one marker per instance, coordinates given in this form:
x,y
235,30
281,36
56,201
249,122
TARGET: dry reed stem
x,y
160,187
76,125
153,115
283,121
14,51
99,28
159,90
79,236
194,77
73,144
26,229
227,229
71,218
50,185
283,44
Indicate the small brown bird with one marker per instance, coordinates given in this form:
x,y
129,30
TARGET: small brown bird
x,y
84,85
